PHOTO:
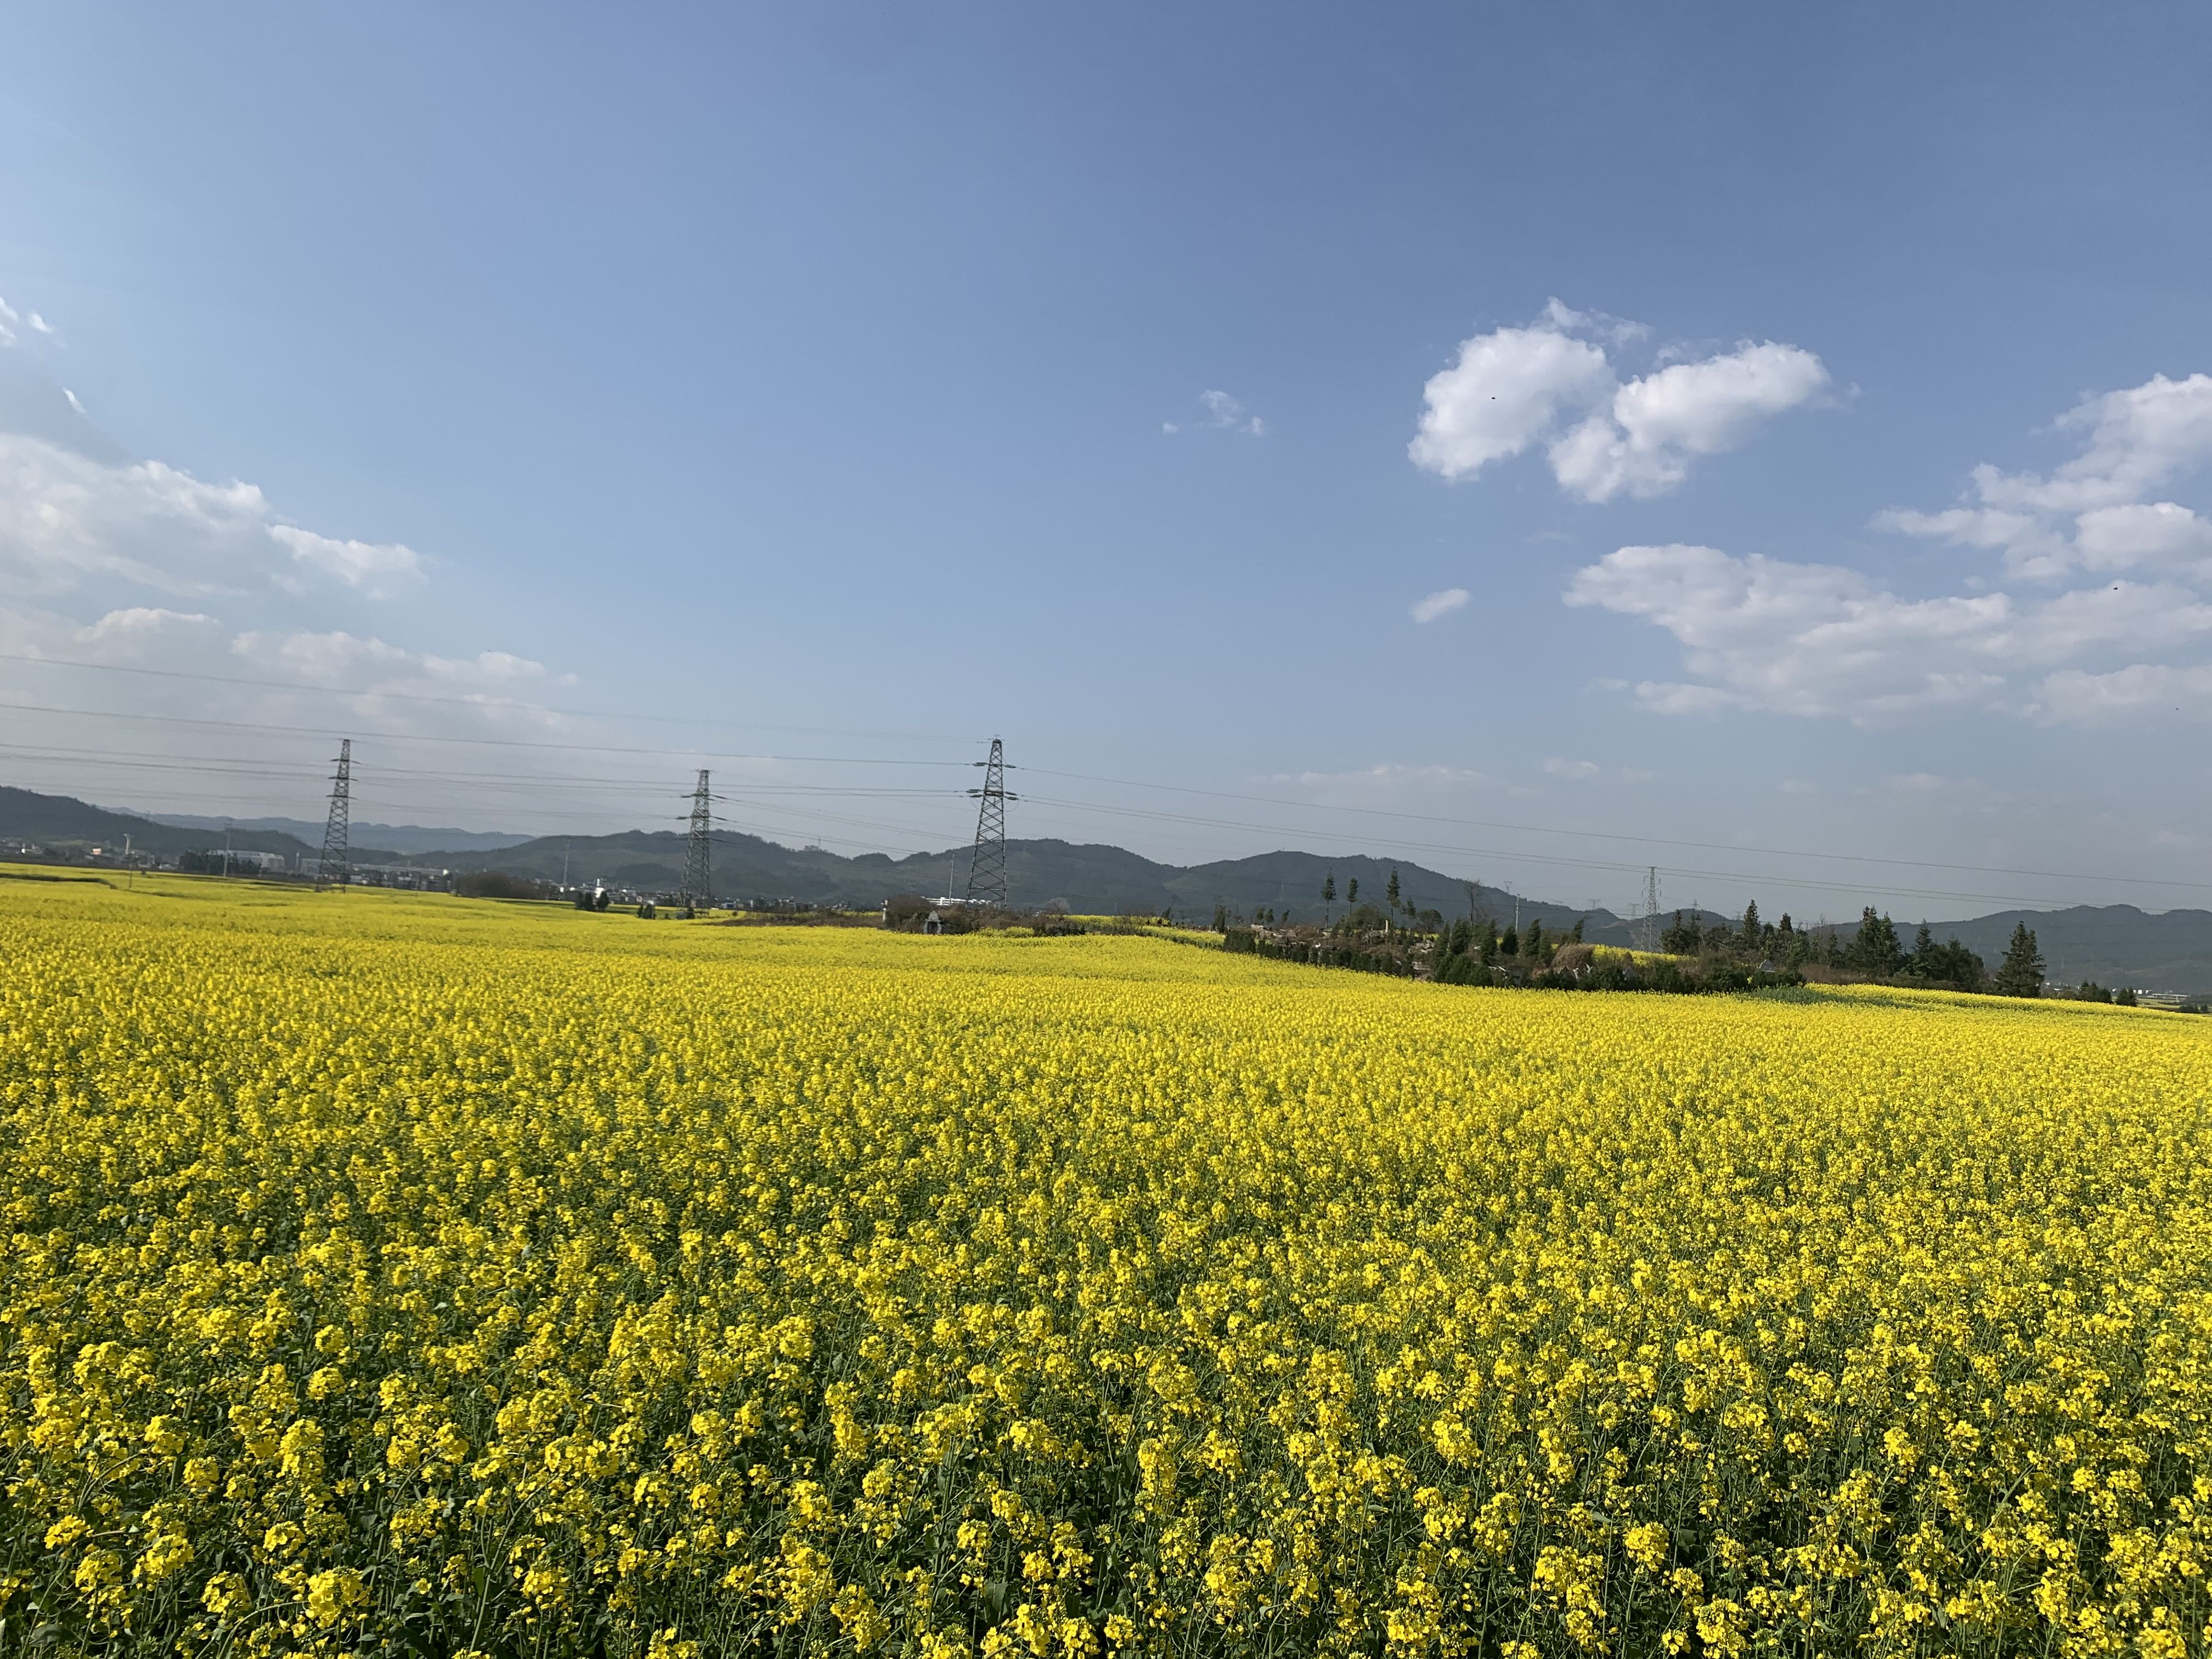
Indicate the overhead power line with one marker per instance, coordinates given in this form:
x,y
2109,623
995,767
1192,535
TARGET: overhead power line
x,y
1611,834
1558,859
495,742
402,783
482,702
562,782
1186,789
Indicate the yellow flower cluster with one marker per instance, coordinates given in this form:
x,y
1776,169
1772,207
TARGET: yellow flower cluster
x,y
389,1272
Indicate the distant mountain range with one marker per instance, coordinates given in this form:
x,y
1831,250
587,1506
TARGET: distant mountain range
x,y
63,820
398,837
1085,878
2115,944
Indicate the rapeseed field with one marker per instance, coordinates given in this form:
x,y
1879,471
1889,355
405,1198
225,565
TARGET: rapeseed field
x,y
397,1274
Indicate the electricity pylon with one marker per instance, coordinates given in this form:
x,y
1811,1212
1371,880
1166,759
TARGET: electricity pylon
x,y
698,868
332,871
1648,930
986,868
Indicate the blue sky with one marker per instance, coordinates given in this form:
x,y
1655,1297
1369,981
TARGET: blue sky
x,y
857,381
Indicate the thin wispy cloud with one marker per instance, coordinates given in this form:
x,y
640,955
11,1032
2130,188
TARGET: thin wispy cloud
x,y
1442,603
1223,414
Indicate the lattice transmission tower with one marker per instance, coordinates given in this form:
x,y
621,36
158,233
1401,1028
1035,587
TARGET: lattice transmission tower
x,y
987,867
332,871
1647,930
698,858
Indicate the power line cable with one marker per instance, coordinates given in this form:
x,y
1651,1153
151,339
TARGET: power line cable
x,y
477,702
496,742
1302,807
1611,834
1559,861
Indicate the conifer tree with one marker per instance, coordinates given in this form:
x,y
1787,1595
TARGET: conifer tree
x,y
2020,974
1750,937
1923,958
1875,951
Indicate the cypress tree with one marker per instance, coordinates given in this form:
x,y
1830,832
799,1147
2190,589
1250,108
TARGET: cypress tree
x,y
1923,959
2020,974
1875,950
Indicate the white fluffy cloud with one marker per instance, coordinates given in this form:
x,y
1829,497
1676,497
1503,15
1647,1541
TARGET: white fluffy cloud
x,y
2095,512
189,598
1441,603
66,517
1822,639
193,642
1507,390
1799,638
2138,689
2137,440
1656,426
1514,387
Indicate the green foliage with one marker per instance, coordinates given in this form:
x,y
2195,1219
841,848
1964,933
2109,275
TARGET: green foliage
x,y
2020,974
1949,964
1875,951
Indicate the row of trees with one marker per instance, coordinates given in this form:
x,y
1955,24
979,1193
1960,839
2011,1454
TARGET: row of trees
x,y
1393,901
1874,950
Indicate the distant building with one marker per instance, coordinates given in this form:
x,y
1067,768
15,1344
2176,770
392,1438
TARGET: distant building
x,y
414,877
